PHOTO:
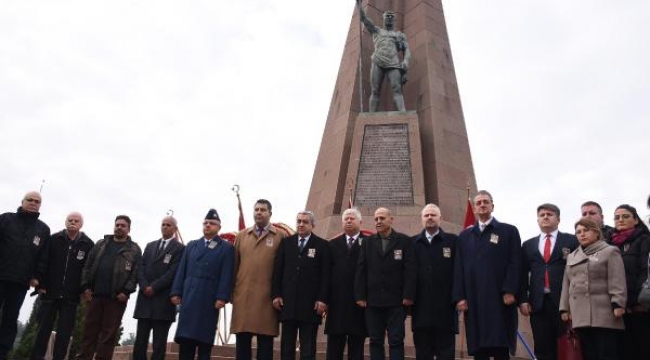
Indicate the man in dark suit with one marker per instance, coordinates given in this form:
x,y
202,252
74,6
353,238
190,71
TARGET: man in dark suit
x,y
345,319
153,309
434,317
385,285
543,261
486,279
301,287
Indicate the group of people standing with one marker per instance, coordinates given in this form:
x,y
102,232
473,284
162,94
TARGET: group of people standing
x,y
363,284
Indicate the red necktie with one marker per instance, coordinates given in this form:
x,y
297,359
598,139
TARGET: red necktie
x,y
547,257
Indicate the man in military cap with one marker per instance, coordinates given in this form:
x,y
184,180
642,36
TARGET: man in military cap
x,y
202,287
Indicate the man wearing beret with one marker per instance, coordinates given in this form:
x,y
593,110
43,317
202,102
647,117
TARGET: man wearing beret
x,y
202,287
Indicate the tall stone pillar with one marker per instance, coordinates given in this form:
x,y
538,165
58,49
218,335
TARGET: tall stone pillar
x,y
400,160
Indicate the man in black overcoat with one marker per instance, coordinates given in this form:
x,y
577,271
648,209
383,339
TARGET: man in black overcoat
x,y
385,285
301,287
543,260
434,316
346,321
153,308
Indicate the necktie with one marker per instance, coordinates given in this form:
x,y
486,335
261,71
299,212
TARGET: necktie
x,y
302,244
207,242
161,247
350,242
482,227
430,238
547,257
259,232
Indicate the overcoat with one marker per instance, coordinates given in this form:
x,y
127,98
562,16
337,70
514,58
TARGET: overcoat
x,y
157,269
487,265
533,269
204,276
344,316
252,308
385,278
433,307
301,278
634,251
594,280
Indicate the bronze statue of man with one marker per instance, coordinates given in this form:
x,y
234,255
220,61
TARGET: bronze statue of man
x,y
386,59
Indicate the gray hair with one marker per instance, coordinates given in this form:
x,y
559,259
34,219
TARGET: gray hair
x,y
310,214
486,193
353,211
433,206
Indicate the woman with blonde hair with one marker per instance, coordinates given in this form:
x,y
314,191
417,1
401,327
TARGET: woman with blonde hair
x,y
594,293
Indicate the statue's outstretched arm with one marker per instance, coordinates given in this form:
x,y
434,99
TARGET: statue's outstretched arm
x,y
366,21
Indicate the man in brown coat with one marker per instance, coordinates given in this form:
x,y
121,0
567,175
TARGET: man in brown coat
x,y
253,312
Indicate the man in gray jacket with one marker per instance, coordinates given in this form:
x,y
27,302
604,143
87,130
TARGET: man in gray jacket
x,y
109,276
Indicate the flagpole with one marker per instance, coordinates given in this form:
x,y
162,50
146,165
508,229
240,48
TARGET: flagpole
x,y
360,57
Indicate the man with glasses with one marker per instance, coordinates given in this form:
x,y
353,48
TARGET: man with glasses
x,y
592,210
301,287
486,278
109,277
156,272
22,240
201,288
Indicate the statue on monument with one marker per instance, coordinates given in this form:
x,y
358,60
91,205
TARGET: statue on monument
x,y
386,60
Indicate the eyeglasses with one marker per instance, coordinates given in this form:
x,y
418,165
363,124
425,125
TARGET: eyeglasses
x,y
33,200
622,216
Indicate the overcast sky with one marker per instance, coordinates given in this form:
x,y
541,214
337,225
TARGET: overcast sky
x,y
141,107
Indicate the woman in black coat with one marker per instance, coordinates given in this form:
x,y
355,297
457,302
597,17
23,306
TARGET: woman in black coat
x,y
632,237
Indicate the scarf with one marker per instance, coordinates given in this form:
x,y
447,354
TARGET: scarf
x,y
619,237
595,247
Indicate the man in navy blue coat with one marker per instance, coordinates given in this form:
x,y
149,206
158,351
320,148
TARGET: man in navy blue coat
x,y
202,286
543,261
486,278
156,272
434,317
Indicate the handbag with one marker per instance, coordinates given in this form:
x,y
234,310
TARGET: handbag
x,y
644,294
568,345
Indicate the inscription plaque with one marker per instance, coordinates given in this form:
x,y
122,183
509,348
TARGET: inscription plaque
x,y
384,176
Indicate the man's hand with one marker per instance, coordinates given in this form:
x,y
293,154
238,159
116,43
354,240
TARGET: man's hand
x,y
362,304
34,283
219,304
122,298
148,291
278,303
524,309
320,308
565,316
619,312
508,299
87,295
407,302
461,305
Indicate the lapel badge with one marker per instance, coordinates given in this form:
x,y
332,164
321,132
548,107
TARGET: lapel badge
x,y
37,240
269,241
565,252
311,253
397,254
494,239
80,255
626,247
213,244
446,252
128,266
167,259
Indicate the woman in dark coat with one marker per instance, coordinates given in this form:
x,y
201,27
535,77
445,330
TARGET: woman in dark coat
x,y
632,237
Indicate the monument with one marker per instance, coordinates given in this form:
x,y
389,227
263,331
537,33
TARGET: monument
x,y
398,159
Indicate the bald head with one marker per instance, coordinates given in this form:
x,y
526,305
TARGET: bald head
x,y
168,227
31,202
383,221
